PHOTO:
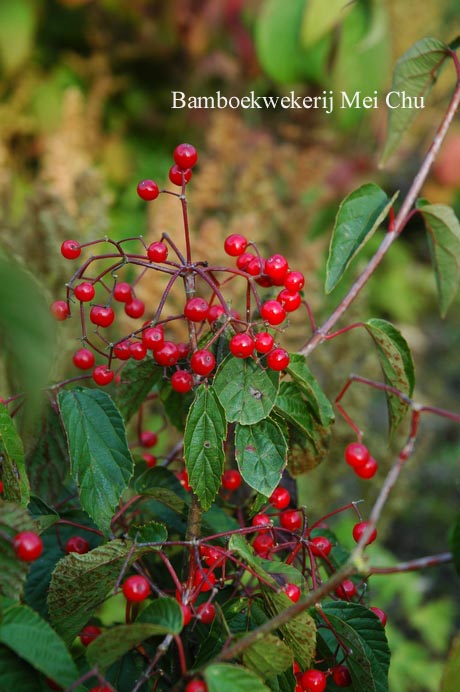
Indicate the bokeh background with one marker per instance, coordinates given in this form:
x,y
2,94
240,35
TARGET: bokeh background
x,y
85,112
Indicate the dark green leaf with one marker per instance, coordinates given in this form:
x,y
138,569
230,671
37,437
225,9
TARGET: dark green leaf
x,y
246,391
359,216
299,632
302,376
271,571
162,484
415,74
396,363
16,483
204,437
176,404
117,641
48,462
101,463
153,532
13,572
137,380
15,673
455,543
261,453
128,668
443,232
279,24
291,406
164,613
268,657
227,677
44,515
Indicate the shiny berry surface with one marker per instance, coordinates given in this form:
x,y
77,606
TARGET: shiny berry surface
x,y
84,292
382,616
291,519
102,375
263,342
179,175
273,312
101,315
28,546
182,381
280,498
203,362
196,686
294,281
368,470
135,308
60,310
276,268
320,546
356,454
157,251
89,634
185,155
241,345
153,338
70,249
231,479
123,292
313,681
83,359
278,359
148,190
168,354
293,592
341,676
196,309
206,613
235,245
290,301
77,544
360,529
136,588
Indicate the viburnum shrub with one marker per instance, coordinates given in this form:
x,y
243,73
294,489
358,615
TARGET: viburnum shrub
x,y
196,568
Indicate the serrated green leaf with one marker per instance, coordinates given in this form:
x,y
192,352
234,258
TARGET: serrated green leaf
x,y
261,453
80,583
299,632
246,391
137,380
302,376
358,217
129,667
164,613
117,641
153,532
397,366
13,572
31,638
361,631
278,24
268,657
443,233
204,437
16,483
454,540
451,674
291,406
101,463
319,18
227,677
415,74
48,462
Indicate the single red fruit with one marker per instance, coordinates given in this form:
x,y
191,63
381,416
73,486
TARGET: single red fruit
x,y
235,245
369,469
204,580
101,688
137,350
89,634
102,375
202,362
262,543
231,479
148,190
214,312
356,454
101,315
136,588
273,312
341,676
293,592
255,266
83,359
294,281
185,155
241,345
206,613
382,616
84,292
359,529
28,546
182,381
196,686
77,544
320,546
313,680
264,342
148,438
1,487
276,267
184,349
346,590
186,613
153,338
182,477
123,292
291,519
177,175
278,359
150,459
70,249
243,261
60,310
157,251
196,309
168,354
261,520
280,498
135,308
53,685
122,350
211,555
290,301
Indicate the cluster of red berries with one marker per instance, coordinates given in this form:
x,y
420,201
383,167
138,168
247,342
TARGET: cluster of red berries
x,y
358,457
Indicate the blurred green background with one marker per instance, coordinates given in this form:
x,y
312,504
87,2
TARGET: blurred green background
x,y
85,112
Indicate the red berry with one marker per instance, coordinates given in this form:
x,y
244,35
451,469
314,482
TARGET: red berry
x,y
60,310
278,359
148,190
157,252
53,685
137,350
102,375
313,681
186,613
70,249
359,529
273,312
231,479
182,477
176,173
148,438
136,588
101,688
196,309
184,349
264,342
214,312
289,301
346,590
168,354
382,616
1,487
83,359
280,498
135,308
261,520
84,292
101,316
182,381
196,686
341,676
276,268
241,345
291,519
294,281
28,546
153,338
211,556
320,546
77,544
293,592
204,580
356,454
149,459
255,266
262,543
122,350
235,245
206,613
243,261
89,634
123,292
367,471
202,362
185,155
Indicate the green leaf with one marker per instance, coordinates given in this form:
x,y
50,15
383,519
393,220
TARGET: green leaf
x,y
101,463
31,638
44,515
137,380
396,363
175,404
16,483
306,452
291,406
227,677
164,613
80,583
415,74
270,571
162,484
15,673
13,572
246,391
261,453
204,437
268,657
153,532
454,540
18,19
278,24
299,632
451,674
319,18
361,631
302,376
443,233
358,217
